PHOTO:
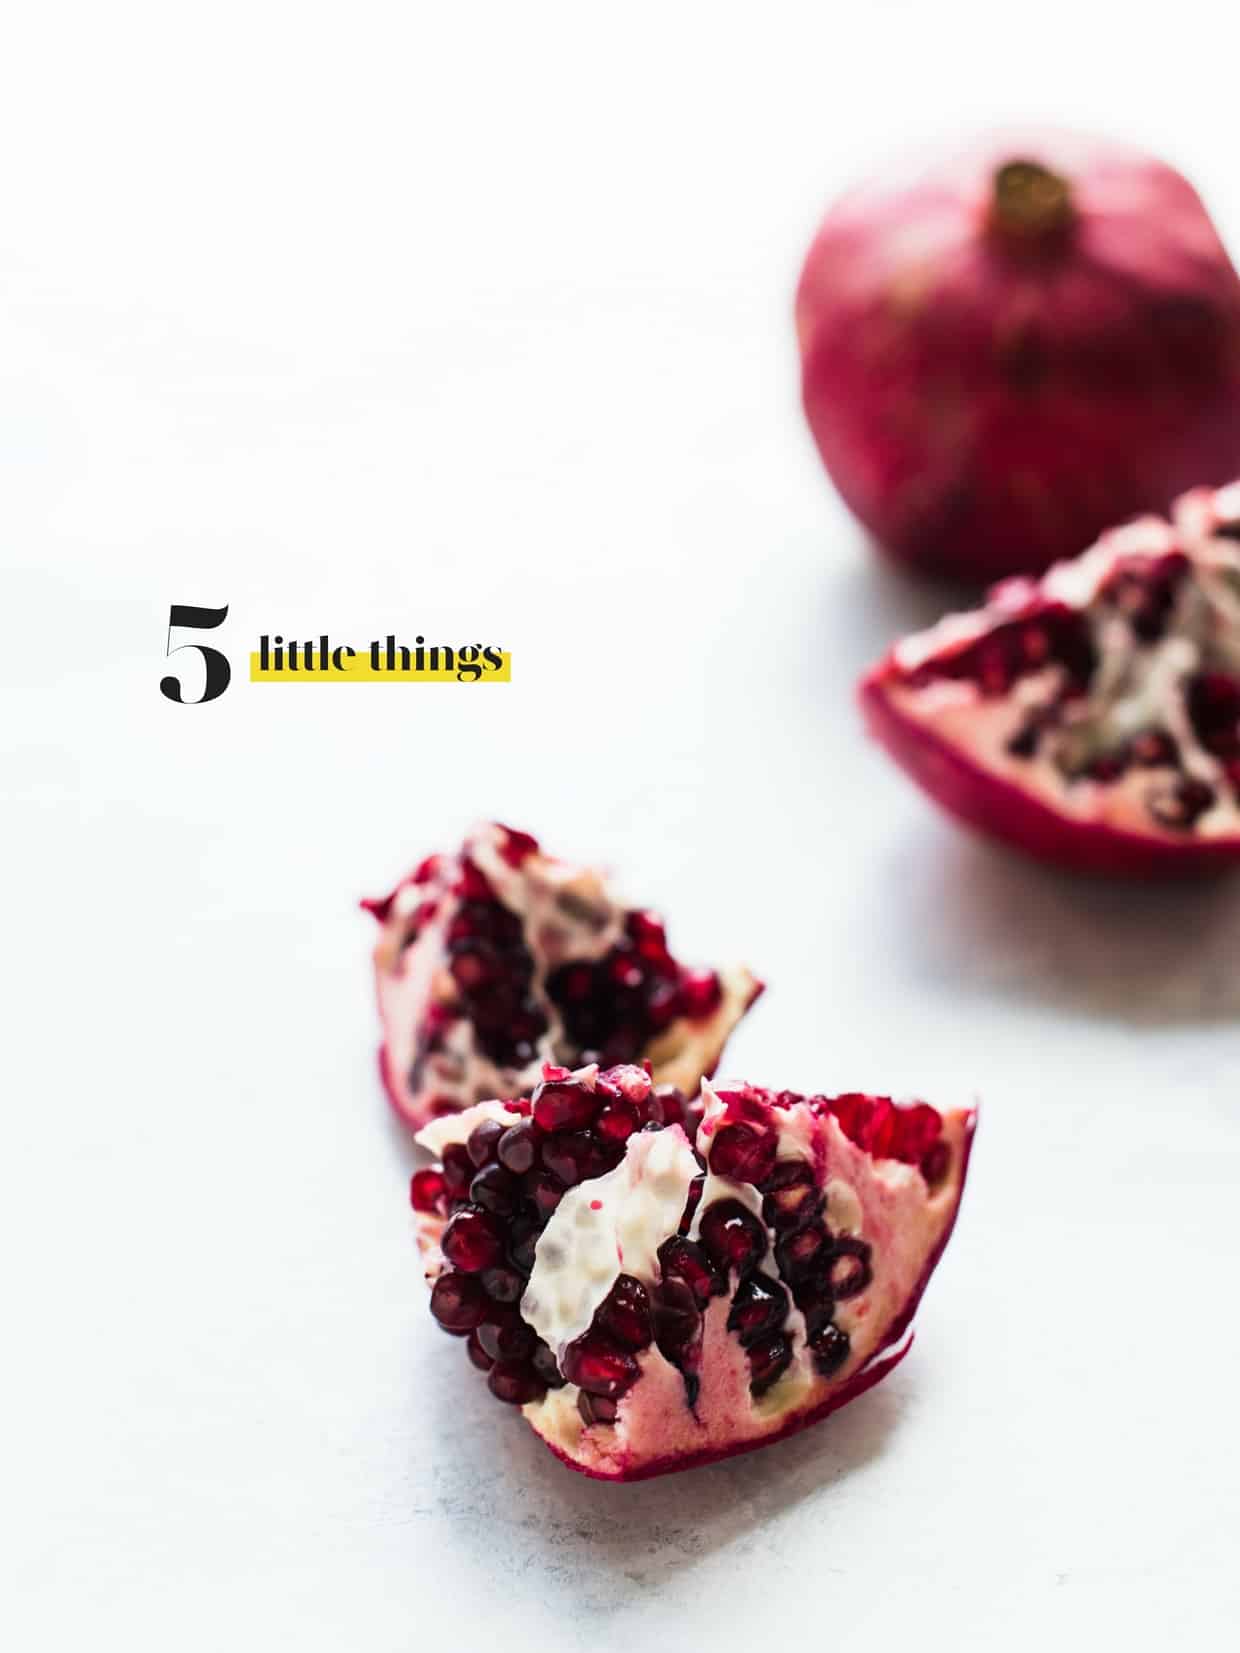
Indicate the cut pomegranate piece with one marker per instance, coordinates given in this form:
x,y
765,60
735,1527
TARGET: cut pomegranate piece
x,y
500,959
1092,717
637,1348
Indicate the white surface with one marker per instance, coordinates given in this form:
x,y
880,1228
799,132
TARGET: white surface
x,y
356,319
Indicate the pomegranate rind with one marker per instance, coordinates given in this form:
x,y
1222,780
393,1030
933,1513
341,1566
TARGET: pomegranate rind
x,y
412,976
955,757
987,409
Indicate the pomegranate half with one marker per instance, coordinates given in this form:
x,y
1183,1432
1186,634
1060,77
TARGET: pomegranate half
x,y
658,1285
1011,349
1092,717
499,958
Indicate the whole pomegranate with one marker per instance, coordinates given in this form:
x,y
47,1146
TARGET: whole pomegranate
x,y
1018,346
1091,717
498,958
658,1285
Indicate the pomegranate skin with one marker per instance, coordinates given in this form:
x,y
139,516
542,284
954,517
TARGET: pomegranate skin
x,y
997,364
988,805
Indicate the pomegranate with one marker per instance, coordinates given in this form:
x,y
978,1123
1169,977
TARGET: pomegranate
x,y
1011,349
705,1284
499,958
1091,717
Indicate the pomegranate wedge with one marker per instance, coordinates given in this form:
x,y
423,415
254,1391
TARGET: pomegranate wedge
x,y
1092,717
659,1284
499,958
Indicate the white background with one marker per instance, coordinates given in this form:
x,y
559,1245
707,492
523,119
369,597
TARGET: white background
x,y
360,318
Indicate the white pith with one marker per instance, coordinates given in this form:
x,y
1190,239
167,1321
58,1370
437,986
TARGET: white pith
x,y
608,1226
568,912
1137,686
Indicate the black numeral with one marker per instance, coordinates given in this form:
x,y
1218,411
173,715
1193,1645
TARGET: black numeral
x,y
219,672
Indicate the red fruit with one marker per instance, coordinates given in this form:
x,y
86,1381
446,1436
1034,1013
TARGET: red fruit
x,y
743,1152
1088,718
1010,349
499,959
638,1349
428,1191
564,1107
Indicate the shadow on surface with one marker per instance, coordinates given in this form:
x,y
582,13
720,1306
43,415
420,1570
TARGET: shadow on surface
x,y
1144,953
604,1543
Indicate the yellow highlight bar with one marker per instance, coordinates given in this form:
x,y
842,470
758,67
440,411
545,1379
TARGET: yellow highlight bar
x,y
360,670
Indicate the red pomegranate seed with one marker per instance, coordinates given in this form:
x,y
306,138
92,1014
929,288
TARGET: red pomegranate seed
x,y
471,1241
600,1365
458,1302
596,1409
502,1285
505,1336
483,1140
769,1359
848,1266
625,1313
564,1107
473,885
684,1260
516,1382
481,1359
760,1306
517,1149
743,1153
700,994
574,1158
544,1191
800,1253
677,1322
618,1121
428,1191
495,1189
517,847
543,1362
831,1349
790,1195
458,1169
732,1235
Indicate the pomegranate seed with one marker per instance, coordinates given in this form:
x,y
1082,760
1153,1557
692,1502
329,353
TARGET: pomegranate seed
x,y
458,1302
428,869
684,1260
517,1149
600,1365
856,1273
596,1408
760,1306
733,1235
458,1169
625,1313
700,994
564,1107
505,1336
1153,749
502,1285
473,885
692,1201
517,847
522,1238
800,1252
790,1195
471,1241
481,1359
495,1189
769,1359
574,1158
618,1121
483,1140
544,1191
543,1362
831,1348
1181,805
428,1191
677,1323
516,1382
742,1153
